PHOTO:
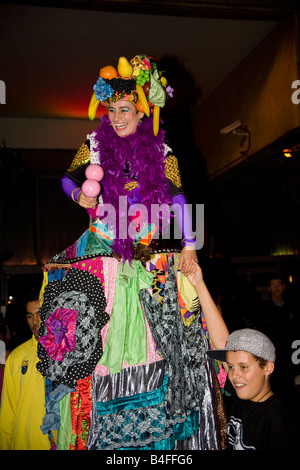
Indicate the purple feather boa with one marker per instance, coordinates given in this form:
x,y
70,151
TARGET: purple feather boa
x,y
145,154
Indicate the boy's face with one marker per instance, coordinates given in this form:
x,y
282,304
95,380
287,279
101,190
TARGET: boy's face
x,y
249,380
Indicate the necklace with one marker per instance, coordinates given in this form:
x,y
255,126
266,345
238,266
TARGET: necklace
x,y
263,395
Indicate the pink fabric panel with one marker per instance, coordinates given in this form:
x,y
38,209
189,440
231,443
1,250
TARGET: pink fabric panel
x,y
110,267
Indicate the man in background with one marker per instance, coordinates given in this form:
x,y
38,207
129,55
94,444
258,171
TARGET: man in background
x,y
23,394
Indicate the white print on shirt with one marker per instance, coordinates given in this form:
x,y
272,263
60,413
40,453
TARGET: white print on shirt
x,y
234,431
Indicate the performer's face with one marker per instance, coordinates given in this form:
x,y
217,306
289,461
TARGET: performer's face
x,y
124,117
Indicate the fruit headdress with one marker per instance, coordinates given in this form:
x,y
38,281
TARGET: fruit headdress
x,y
138,81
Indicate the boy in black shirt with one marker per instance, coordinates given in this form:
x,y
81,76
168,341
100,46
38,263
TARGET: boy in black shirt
x,y
258,420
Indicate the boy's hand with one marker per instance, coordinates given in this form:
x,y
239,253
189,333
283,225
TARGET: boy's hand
x,y
187,258
195,275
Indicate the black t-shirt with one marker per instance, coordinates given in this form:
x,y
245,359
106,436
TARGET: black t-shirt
x,y
260,426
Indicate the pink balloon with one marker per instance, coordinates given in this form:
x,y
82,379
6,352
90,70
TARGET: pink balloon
x,y
91,188
94,172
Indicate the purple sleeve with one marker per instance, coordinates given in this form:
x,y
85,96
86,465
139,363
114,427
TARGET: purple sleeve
x,y
184,219
68,186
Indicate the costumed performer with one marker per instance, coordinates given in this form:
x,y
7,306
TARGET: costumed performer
x,y
122,336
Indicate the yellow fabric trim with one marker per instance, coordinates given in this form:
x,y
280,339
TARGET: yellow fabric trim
x,y
172,170
81,158
44,284
131,185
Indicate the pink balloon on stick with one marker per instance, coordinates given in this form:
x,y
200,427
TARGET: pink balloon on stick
x,y
91,188
94,172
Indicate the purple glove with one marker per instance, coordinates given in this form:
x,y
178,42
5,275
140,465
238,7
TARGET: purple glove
x,y
68,186
184,220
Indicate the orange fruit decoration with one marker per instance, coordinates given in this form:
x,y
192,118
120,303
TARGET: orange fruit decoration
x,y
139,106
108,72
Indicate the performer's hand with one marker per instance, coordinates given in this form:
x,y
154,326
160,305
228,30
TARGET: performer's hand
x,y
87,202
187,258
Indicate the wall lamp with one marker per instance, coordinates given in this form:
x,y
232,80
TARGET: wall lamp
x,y
290,152
237,128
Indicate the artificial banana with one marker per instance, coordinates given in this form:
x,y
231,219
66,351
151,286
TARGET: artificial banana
x,y
94,103
156,113
143,99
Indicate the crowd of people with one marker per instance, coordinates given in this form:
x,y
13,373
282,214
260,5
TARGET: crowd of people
x,y
128,348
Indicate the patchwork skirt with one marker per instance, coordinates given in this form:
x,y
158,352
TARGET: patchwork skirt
x,y
124,347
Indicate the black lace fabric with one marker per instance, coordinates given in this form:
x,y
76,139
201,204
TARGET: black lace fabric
x,y
181,347
82,292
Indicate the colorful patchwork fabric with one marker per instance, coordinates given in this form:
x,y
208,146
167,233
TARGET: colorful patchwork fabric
x,y
81,407
110,270
78,296
172,336
60,337
182,347
126,338
189,303
130,411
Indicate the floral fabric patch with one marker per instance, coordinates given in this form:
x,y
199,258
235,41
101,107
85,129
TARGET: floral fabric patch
x,y
61,333
72,316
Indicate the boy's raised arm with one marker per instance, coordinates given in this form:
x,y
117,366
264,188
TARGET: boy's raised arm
x,y
216,326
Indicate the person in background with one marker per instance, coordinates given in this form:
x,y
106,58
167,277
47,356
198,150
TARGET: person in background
x,y
23,394
278,319
4,352
277,305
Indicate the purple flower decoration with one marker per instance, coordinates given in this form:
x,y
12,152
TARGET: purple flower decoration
x,y
169,90
61,333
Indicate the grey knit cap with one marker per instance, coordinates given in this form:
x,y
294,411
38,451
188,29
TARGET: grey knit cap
x,y
251,341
